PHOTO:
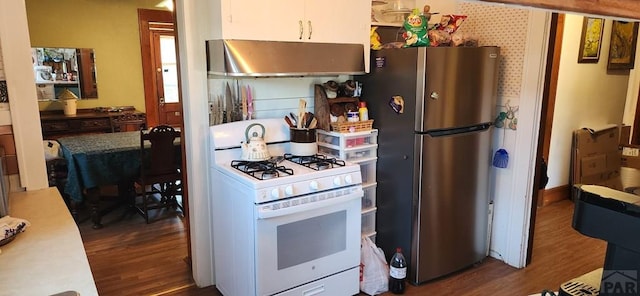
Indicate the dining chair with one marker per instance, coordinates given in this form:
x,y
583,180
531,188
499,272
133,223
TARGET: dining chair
x,y
56,165
160,179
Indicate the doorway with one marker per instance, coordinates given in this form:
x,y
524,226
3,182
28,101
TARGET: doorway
x,y
163,105
159,67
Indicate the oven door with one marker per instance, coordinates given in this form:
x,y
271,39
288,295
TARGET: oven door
x,y
307,238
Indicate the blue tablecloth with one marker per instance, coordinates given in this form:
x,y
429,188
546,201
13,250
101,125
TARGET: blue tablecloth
x,y
100,159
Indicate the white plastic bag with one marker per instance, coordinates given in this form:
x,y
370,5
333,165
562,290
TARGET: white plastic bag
x,y
375,271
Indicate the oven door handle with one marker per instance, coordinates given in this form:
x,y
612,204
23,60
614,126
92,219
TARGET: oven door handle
x,y
356,194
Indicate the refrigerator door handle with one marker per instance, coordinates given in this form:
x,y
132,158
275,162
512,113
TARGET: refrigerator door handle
x,y
457,130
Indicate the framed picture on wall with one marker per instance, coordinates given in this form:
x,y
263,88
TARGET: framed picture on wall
x,y
622,50
590,40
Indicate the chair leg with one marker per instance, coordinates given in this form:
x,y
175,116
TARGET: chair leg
x,y
142,207
172,191
145,205
167,193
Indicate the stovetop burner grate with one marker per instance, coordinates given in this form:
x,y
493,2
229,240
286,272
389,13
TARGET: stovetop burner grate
x,y
261,170
317,162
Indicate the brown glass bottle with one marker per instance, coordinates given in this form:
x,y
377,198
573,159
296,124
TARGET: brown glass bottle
x,y
397,272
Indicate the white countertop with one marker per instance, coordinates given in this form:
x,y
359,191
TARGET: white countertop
x,y
48,257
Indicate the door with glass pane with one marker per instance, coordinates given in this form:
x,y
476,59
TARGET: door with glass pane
x,y
166,76
159,68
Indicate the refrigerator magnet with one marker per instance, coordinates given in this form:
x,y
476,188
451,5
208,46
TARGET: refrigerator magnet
x,y
397,104
380,62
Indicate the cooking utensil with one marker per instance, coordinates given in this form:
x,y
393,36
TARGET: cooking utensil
x,y
313,124
288,120
294,118
228,102
237,113
308,118
220,111
249,103
216,109
302,106
244,103
255,148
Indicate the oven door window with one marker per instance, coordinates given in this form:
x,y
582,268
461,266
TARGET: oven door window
x,y
306,240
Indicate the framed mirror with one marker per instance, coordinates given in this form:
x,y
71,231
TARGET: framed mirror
x,y
56,69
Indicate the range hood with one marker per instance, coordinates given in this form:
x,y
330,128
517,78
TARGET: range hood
x,y
253,58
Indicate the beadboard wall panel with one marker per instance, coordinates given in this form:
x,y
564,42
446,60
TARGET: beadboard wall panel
x,y
273,97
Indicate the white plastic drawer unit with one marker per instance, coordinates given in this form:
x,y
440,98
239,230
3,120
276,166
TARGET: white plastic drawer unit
x,y
348,140
360,148
354,147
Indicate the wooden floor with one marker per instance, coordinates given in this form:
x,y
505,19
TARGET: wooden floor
x,y
129,257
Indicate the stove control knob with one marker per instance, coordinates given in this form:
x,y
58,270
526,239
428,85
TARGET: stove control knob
x,y
314,185
275,193
288,190
337,181
348,179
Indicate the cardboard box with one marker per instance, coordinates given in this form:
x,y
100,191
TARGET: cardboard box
x,y
596,157
630,156
604,157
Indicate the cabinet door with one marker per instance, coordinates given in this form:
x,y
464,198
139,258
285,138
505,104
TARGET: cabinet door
x,y
337,21
332,21
277,20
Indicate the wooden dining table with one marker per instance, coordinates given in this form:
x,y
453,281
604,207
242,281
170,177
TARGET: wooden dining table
x,y
95,160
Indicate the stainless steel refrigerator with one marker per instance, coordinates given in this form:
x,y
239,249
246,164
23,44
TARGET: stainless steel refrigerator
x,y
434,108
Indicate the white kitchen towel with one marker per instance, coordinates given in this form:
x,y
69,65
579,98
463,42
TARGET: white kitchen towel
x,y
10,226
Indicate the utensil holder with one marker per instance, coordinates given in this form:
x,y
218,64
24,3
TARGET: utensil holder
x,y
303,141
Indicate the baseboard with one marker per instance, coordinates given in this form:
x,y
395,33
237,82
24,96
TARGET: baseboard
x,y
555,194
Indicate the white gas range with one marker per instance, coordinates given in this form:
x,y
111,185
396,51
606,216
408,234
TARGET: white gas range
x,y
289,225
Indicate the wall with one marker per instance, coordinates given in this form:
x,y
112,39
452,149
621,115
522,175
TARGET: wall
x,y
510,29
633,92
111,29
25,125
587,96
8,151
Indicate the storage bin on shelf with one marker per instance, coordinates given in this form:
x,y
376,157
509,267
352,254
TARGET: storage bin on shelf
x,y
350,140
368,171
356,147
368,222
357,155
369,198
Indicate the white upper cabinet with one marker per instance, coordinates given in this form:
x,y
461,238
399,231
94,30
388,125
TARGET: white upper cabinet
x,y
333,21
260,20
337,21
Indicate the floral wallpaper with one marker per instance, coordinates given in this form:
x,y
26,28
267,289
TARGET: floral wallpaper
x,y
505,27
